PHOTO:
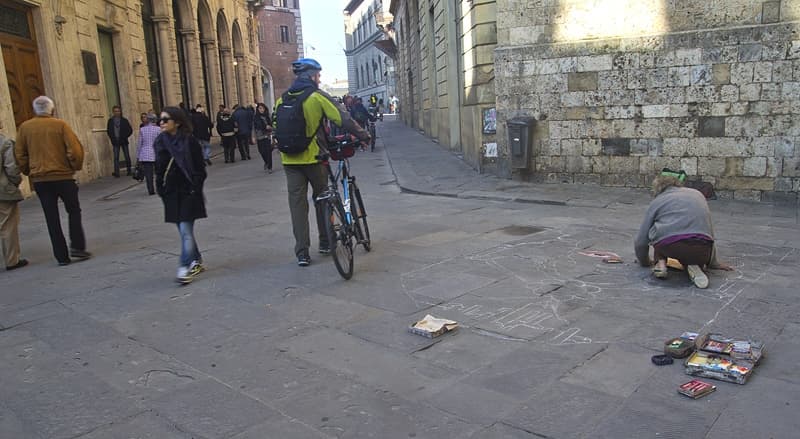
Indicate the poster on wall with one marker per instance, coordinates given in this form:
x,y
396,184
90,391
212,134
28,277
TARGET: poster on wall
x,y
490,149
489,121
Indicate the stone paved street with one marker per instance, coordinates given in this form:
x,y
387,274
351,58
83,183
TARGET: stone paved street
x,y
552,344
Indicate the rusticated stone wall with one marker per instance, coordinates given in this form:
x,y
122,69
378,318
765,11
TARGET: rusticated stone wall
x,y
620,91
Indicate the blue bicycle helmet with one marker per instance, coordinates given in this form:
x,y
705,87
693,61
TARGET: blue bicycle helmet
x,y
305,64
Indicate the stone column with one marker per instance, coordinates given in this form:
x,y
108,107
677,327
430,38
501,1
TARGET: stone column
x,y
259,97
241,81
226,58
193,67
168,69
209,47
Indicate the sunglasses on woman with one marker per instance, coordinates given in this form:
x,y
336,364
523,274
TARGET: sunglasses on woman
x,y
164,120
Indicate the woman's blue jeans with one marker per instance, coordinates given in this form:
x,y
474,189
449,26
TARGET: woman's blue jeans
x,y
189,251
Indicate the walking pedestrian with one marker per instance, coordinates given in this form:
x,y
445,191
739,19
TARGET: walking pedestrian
x,y
678,225
119,129
304,168
244,130
49,152
180,174
262,128
226,127
10,196
202,126
145,154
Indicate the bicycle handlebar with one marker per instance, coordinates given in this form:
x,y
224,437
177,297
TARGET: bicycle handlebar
x,y
337,143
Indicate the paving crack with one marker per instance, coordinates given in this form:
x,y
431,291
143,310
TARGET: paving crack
x,y
543,436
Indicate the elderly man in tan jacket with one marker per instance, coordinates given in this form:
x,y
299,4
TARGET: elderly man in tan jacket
x,y
49,152
10,196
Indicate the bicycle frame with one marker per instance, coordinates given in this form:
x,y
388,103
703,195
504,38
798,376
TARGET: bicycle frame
x,y
343,173
344,210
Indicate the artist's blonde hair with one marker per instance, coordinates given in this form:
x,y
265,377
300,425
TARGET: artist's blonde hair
x,y
662,182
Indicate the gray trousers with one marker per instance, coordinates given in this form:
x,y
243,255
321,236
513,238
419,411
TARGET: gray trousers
x,y
298,178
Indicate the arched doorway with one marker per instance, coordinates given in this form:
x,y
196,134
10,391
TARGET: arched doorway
x,y
21,59
240,69
225,59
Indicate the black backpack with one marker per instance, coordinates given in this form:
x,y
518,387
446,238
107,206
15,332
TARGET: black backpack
x,y
290,123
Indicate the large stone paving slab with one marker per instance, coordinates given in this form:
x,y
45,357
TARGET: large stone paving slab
x,y
145,425
348,409
504,431
210,410
563,410
134,369
467,350
13,426
391,331
54,398
283,428
762,408
783,356
368,362
618,370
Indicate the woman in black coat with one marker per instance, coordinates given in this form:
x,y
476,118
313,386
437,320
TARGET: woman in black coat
x,y
262,127
180,172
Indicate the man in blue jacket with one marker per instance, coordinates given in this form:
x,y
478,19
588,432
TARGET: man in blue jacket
x,y
244,124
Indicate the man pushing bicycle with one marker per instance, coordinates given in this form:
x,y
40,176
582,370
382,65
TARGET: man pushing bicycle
x,y
300,135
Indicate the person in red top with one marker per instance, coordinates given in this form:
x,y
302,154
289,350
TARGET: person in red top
x,y
48,151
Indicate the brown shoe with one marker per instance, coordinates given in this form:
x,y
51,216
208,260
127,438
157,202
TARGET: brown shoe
x,y
20,264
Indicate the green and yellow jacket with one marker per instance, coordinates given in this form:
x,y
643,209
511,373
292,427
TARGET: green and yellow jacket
x,y
316,108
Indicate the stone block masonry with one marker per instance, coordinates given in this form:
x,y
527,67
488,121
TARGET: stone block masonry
x,y
715,92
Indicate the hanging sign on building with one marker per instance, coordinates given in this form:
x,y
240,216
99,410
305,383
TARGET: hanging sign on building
x,y
90,70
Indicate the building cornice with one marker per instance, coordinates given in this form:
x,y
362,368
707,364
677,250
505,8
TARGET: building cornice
x,y
364,44
352,6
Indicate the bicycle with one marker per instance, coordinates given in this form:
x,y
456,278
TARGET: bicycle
x,y
344,212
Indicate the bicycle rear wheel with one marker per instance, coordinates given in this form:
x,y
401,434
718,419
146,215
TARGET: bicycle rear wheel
x,y
360,218
339,239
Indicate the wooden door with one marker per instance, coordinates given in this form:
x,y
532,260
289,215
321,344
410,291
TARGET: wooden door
x,y
21,59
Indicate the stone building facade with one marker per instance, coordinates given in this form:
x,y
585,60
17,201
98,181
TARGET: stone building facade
x,y
623,89
367,66
280,39
619,89
444,71
89,55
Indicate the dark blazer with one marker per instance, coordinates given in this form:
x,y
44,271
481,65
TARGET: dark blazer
x,y
183,199
201,126
125,131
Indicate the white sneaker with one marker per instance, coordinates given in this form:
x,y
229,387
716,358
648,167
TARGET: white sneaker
x,y
184,276
697,276
196,268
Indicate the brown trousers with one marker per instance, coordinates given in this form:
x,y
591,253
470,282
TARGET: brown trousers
x,y
9,231
687,251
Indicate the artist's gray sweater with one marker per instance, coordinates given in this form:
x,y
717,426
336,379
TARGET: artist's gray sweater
x,y
676,211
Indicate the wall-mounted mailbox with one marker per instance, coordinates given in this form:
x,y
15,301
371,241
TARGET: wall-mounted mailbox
x,y
520,136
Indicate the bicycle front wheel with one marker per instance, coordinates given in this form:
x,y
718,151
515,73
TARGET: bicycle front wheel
x,y
372,139
360,218
339,239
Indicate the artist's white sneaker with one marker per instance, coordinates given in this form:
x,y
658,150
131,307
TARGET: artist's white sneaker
x,y
697,276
